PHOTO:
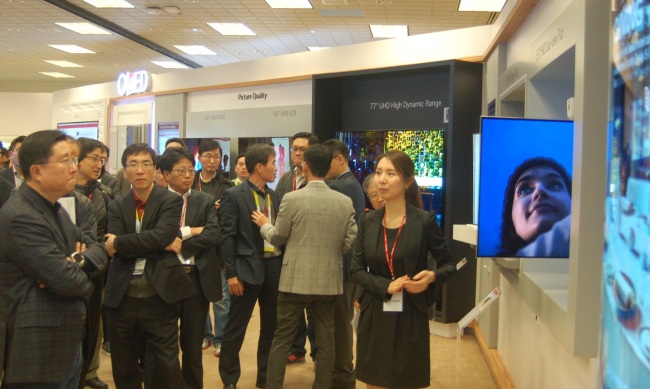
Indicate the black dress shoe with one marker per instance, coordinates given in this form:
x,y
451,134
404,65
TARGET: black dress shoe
x,y
230,386
260,384
96,383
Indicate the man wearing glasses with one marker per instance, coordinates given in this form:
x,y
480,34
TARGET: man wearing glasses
x,y
210,179
146,281
46,263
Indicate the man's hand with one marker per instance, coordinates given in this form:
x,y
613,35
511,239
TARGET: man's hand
x,y
217,204
235,286
196,230
175,246
259,218
109,244
80,247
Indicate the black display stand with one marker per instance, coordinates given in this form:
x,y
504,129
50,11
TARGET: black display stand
x,y
415,97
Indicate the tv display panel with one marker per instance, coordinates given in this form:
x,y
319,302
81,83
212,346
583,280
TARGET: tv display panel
x,y
536,219
282,155
194,143
80,129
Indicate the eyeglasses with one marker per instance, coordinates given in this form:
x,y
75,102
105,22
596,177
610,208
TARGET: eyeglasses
x,y
68,162
210,157
182,172
296,149
96,159
143,166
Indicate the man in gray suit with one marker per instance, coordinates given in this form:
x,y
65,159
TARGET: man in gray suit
x,y
317,225
45,264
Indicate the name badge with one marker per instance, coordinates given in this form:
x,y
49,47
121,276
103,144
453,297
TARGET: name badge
x,y
139,266
395,303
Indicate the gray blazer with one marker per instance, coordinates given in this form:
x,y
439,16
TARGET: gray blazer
x,y
317,224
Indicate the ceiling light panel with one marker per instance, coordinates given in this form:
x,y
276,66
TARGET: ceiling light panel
x,y
289,4
195,50
170,64
232,29
72,49
63,64
57,75
109,3
84,28
481,5
388,31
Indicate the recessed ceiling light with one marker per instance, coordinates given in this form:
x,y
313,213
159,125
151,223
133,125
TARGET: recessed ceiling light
x,y
231,28
64,64
195,50
481,5
109,3
84,28
170,64
289,3
389,31
316,48
57,75
73,49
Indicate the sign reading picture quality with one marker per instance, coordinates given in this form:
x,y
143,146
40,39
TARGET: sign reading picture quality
x,y
625,341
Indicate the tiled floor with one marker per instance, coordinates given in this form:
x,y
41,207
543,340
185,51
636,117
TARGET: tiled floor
x,y
455,363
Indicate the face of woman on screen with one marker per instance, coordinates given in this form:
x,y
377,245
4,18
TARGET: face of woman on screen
x,y
390,184
541,199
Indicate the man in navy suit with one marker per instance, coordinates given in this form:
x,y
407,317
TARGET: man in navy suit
x,y
346,183
146,281
199,243
45,263
252,265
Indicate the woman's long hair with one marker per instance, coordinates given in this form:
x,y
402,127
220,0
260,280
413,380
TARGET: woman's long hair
x,y
510,241
406,170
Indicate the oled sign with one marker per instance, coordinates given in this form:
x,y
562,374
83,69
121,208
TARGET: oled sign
x,y
129,83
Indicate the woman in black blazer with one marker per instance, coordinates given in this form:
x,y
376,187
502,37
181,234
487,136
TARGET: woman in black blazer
x,y
390,264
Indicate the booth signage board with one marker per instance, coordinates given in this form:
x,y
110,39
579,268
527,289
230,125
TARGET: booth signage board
x,y
129,83
250,122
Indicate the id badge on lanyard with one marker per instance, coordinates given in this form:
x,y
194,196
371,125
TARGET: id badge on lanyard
x,y
268,247
140,262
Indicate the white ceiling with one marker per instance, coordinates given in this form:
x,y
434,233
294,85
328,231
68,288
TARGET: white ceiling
x,y
27,27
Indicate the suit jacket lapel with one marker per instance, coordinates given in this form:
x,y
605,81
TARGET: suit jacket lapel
x,y
150,209
373,228
248,197
129,209
412,235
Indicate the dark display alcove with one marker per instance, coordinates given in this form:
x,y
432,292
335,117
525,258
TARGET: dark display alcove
x,y
442,95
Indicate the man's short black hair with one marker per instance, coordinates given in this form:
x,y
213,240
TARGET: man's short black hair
x,y
311,138
172,156
177,140
319,160
242,155
338,147
20,139
209,144
258,153
87,146
137,148
106,150
37,148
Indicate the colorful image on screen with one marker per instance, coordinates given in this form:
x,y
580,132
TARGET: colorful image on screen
x,y
282,157
525,188
194,145
80,129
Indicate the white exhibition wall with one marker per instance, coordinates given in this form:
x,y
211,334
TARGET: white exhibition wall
x,y
24,113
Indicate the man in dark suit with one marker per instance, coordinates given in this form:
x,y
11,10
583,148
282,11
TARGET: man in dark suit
x,y
13,174
45,263
252,265
5,191
146,281
201,237
344,182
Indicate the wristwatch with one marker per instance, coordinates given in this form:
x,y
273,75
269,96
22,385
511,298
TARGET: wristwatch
x,y
79,259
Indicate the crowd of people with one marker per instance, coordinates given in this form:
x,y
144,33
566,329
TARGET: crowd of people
x,y
130,263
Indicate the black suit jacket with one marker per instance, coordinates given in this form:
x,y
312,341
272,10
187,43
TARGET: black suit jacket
x,y
349,186
5,191
421,235
8,175
241,239
41,329
160,223
201,212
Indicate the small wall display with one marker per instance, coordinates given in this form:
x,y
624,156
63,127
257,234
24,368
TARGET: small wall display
x,y
80,129
525,188
194,143
282,157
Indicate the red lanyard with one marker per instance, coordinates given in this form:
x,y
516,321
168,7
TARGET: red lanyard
x,y
389,259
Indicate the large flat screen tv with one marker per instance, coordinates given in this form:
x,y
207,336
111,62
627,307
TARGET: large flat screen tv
x,y
282,157
525,188
194,144
80,129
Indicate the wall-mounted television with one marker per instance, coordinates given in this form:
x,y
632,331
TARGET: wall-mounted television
x,y
425,147
525,188
282,155
80,129
194,143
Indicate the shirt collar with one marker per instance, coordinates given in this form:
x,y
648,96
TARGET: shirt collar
x,y
256,189
184,196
